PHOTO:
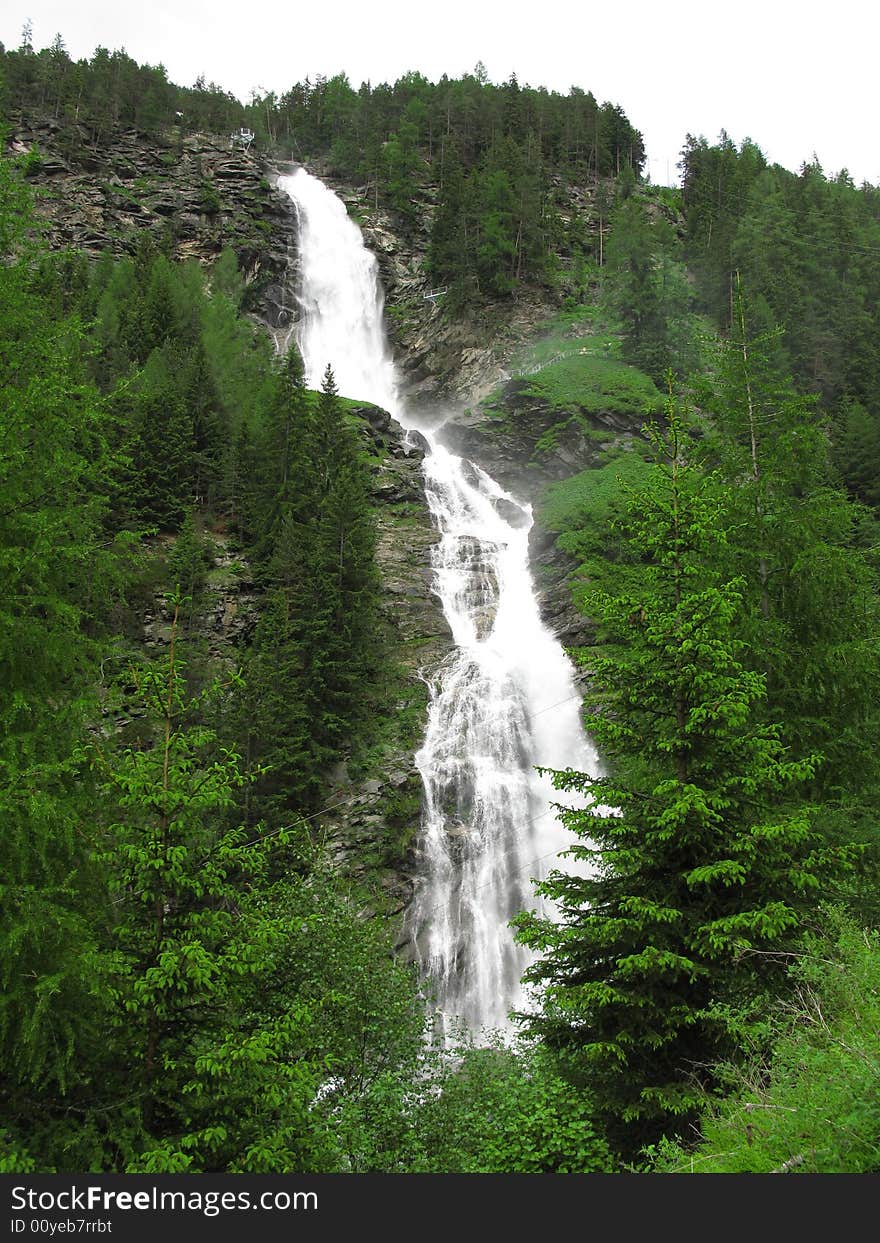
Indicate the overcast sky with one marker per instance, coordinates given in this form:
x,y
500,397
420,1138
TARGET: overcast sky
x,y
797,77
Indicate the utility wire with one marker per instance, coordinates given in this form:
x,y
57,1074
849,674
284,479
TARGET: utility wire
x,y
393,759
345,802
731,198
516,871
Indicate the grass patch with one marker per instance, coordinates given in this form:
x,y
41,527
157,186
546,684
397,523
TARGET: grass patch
x,y
585,384
589,499
585,511
580,326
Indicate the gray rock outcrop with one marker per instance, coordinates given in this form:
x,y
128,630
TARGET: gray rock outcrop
x,y
192,192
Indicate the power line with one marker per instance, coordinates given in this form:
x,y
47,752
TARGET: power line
x,y
393,759
741,200
345,802
516,871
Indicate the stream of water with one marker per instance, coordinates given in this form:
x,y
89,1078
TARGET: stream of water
x,y
504,702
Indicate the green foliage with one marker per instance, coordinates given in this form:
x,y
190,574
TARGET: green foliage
x,y
812,600
56,580
226,279
313,666
648,290
176,877
211,204
109,90
696,852
159,487
715,185
584,384
806,248
400,156
810,1105
188,569
496,1111
583,508
857,451
169,1001
247,1012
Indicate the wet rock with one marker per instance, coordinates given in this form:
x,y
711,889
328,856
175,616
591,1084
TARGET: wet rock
x,y
512,513
417,442
378,419
469,473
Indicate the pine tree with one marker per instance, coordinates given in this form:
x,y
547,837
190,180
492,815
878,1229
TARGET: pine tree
x,y
217,1082
53,571
285,702
453,228
188,570
313,664
160,486
648,290
495,256
695,867
810,591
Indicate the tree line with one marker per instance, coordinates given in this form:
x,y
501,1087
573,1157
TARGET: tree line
x,y
483,163
732,838
189,982
163,896
807,248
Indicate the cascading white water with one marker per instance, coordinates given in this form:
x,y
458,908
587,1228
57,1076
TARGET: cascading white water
x,y
503,703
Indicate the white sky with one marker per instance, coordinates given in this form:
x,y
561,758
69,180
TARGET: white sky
x,y
797,77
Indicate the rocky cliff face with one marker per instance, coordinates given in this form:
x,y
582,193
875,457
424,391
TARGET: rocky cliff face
x,y
448,360
452,363
194,193
197,195
374,810
508,436
374,830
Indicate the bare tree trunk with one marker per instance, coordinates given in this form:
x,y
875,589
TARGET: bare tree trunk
x,y
763,569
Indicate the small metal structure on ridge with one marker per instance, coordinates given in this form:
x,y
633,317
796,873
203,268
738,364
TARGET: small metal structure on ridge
x,y
243,138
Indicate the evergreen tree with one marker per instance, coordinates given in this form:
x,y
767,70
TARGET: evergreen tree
x,y
188,565
160,442
218,1083
495,256
453,228
55,578
648,290
313,664
286,678
856,451
694,866
288,483
810,593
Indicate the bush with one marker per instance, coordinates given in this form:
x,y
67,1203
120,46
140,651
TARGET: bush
x,y
498,1111
812,1105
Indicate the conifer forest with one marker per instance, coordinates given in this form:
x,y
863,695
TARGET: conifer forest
x,y
246,833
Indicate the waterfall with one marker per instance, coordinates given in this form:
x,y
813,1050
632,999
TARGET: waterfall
x,y
503,702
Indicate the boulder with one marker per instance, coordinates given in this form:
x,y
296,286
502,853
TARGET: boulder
x,y
514,514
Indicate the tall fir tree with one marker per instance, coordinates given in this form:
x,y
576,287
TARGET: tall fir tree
x,y
696,873
54,572
811,598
